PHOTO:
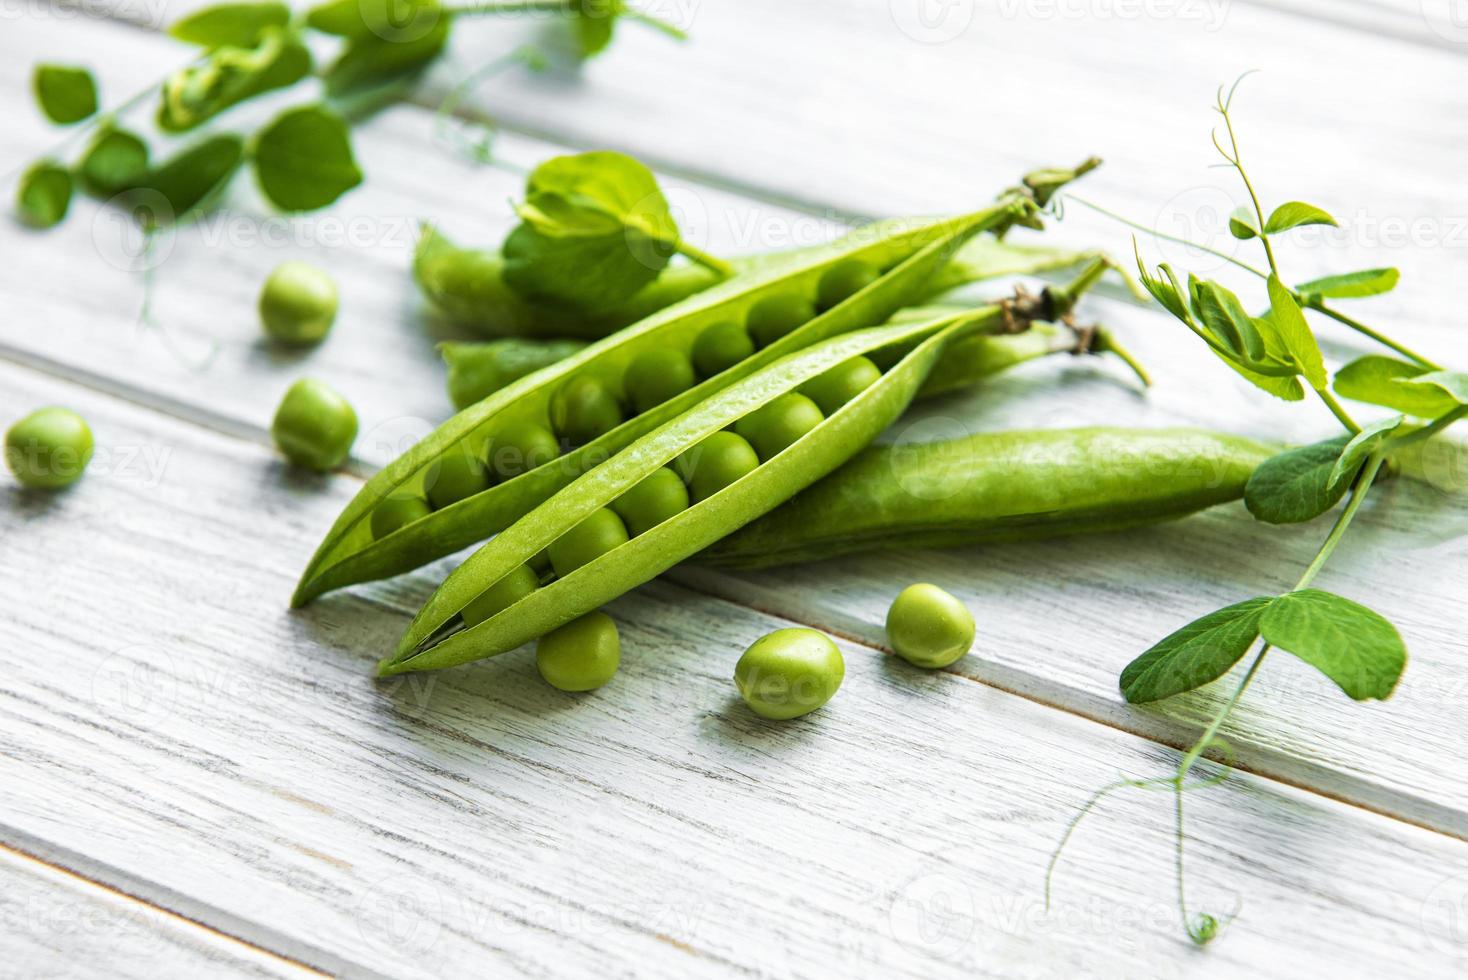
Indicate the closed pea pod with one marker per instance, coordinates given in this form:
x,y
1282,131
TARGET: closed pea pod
x,y
997,487
433,641
349,553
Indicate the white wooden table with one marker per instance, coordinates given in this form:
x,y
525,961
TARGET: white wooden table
x,y
196,780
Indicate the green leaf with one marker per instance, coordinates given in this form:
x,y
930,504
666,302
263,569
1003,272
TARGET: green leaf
x,y
1224,316
44,195
236,25
1351,285
1384,381
1454,384
1295,486
304,161
1345,641
387,40
595,229
1362,445
116,161
1286,389
192,177
1242,225
1200,652
66,95
1294,214
1286,316
229,76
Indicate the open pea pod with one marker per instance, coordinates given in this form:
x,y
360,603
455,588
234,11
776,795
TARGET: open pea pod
x,y
900,257
438,637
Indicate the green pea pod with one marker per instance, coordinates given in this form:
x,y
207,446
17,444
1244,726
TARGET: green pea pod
x,y
997,487
909,255
477,371
437,637
228,76
468,287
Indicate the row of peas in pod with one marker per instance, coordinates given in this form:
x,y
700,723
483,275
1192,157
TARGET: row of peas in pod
x,y
585,407
698,474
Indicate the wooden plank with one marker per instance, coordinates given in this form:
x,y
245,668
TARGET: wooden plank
x,y
232,762
58,925
75,320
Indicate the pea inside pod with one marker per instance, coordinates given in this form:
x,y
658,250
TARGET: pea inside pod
x,y
587,421
434,641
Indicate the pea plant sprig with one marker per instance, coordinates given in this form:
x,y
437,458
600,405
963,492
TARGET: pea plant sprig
x,y
302,159
1277,352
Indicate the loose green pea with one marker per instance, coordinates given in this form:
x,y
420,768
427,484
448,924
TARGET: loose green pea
x,y
49,448
314,426
580,656
715,463
775,316
520,447
397,512
599,533
772,428
658,497
584,409
844,280
298,304
460,475
841,383
789,673
928,627
655,376
720,347
501,596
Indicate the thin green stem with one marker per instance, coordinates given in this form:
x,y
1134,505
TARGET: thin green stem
x,y
1138,226
1211,732
705,259
1233,140
1430,429
1363,329
497,7
1338,410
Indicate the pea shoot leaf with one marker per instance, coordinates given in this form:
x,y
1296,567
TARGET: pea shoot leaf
x,y
1362,445
1386,381
1351,285
1295,333
116,161
184,182
303,159
66,95
1454,384
44,195
386,39
596,24
1295,214
235,25
595,228
1223,315
1353,646
1288,389
1243,225
1200,652
1295,486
